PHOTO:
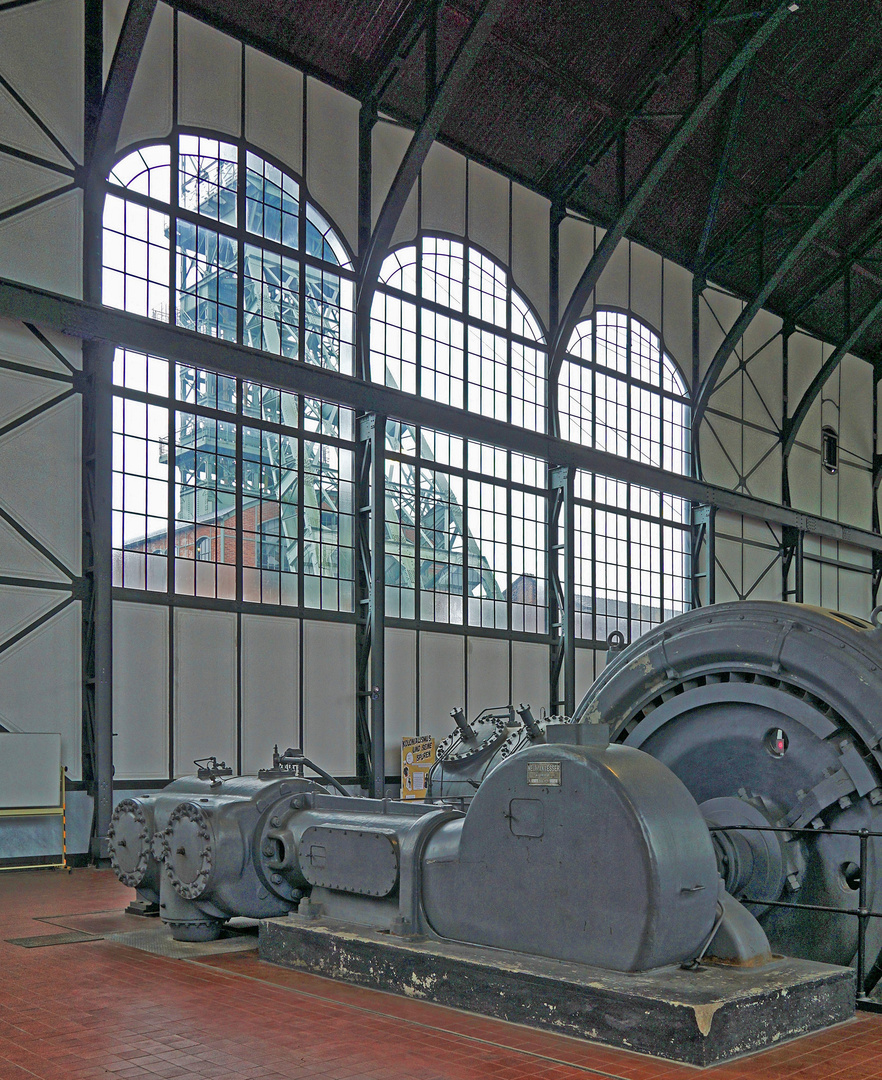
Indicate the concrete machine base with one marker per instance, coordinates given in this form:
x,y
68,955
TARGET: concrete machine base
x,y
699,1017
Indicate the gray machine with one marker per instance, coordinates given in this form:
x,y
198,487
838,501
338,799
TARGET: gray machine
x,y
572,848
771,715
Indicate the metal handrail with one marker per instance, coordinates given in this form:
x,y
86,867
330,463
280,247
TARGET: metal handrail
x,y
864,982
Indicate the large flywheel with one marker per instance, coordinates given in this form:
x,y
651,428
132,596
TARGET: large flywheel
x,y
771,714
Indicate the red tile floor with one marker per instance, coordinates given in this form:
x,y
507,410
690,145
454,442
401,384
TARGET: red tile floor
x,y
98,1009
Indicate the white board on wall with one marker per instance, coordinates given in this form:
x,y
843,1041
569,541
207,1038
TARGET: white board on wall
x,y
140,691
205,687
329,696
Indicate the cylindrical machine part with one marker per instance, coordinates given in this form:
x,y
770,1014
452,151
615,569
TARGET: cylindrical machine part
x,y
771,714
462,763
465,729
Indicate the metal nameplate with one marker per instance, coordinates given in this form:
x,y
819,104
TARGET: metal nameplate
x,y
543,773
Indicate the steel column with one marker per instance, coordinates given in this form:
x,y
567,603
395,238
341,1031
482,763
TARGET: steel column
x,y
562,578
371,599
103,115
704,540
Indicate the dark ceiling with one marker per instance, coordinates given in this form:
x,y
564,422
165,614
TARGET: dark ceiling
x,y
576,99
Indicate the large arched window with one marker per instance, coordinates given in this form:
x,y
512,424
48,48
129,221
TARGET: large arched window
x,y
465,522
620,391
225,487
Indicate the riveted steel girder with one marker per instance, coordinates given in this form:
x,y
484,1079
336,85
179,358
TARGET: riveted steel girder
x,y
784,267
650,180
93,322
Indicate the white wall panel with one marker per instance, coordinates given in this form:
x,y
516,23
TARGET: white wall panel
x,y
805,479
270,688
332,155
18,558
646,285
389,145
43,246
140,691
587,670
764,343
442,681
20,393
715,434
855,593
40,479
205,687
18,344
20,181
577,240
855,495
329,696
529,246
401,705
488,675
613,287
40,684
21,606
676,324
209,77
856,396
444,191
149,109
805,356
274,108
529,675
41,54
20,132
488,211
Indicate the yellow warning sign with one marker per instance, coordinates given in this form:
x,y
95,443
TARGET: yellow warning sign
x,y
417,757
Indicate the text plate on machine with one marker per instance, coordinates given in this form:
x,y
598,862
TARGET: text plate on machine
x,y
543,773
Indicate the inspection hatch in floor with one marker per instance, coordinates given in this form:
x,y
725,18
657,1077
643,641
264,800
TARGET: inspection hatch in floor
x,y
158,940
72,937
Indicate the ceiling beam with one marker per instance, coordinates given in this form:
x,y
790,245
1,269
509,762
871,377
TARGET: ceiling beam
x,y
93,322
786,264
793,423
448,88
566,176
396,47
650,180
867,96
722,170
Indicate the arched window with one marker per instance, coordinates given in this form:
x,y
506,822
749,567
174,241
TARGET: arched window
x,y
465,522
619,391
448,323
226,487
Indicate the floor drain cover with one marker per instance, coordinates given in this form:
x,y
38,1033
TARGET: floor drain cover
x,y
70,938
